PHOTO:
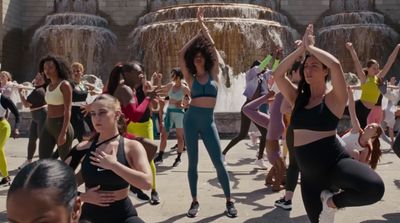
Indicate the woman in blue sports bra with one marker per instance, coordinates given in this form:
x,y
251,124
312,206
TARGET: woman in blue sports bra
x,y
176,92
324,164
198,60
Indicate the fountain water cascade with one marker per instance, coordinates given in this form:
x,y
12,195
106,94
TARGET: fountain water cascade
x,y
75,33
242,32
356,21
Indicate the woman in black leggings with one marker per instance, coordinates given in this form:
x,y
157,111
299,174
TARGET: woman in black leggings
x,y
323,162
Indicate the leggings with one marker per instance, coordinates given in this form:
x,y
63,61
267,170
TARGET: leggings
x,y
48,138
244,129
5,132
362,113
324,164
121,211
200,121
35,129
79,123
396,145
292,172
145,130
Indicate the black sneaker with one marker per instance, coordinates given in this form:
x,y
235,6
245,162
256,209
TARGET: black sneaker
x,y
6,181
174,147
231,210
177,162
155,199
139,194
285,205
158,160
194,210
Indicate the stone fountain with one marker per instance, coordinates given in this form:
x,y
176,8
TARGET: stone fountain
x,y
75,32
358,22
242,32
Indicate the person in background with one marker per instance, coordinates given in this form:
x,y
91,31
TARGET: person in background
x,y
37,105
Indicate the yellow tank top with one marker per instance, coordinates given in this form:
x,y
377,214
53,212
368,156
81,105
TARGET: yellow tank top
x,y
370,90
54,97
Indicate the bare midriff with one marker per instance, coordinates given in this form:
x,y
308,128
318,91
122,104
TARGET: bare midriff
x,y
305,136
204,102
118,194
55,111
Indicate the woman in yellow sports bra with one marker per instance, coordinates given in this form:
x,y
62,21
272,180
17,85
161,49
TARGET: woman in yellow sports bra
x,y
369,82
57,128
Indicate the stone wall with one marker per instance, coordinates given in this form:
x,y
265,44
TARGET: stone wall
x,y
391,9
303,12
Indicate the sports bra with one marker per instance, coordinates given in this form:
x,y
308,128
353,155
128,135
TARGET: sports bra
x,y
54,97
79,92
209,89
352,141
94,175
370,90
317,118
177,96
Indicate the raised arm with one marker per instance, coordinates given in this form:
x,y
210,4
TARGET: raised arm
x,y
206,34
352,110
337,98
356,61
288,89
390,62
182,63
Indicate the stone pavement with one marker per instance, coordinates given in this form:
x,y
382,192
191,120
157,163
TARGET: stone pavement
x,y
254,201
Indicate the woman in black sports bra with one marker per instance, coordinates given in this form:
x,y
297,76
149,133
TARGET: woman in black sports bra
x,y
109,164
324,165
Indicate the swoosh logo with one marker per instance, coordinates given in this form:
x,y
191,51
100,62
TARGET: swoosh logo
x,y
100,169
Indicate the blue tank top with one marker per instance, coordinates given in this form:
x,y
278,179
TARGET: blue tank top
x,y
209,89
107,179
317,118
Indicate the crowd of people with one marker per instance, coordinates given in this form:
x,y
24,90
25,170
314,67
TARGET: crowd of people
x,y
298,101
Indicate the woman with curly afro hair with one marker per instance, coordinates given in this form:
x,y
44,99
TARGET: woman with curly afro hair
x,y
198,60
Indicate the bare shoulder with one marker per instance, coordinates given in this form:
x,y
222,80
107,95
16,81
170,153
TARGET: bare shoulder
x,y
83,145
132,145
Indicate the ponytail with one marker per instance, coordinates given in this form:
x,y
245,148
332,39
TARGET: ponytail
x,y
376,150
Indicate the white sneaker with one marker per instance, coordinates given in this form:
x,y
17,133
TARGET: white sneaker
x,y
261,164
24,164
327,214
253,138
223,159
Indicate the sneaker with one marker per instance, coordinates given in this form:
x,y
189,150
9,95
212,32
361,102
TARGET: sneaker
x,y
139,193
155,199
177,162
174,147
253,138
231,210
193,210
223,160
158,160
6,181
260,163
327,214
24,164
284,204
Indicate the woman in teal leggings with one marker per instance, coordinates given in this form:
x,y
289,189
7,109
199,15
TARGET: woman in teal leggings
x,y
198,60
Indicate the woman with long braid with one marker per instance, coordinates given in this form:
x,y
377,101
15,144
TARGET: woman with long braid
x,y
198,60
324,164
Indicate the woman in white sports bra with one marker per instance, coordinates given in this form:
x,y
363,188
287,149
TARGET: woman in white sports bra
x,y
362,144
57,128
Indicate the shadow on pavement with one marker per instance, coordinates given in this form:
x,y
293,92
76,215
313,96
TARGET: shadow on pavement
x,y
277,215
